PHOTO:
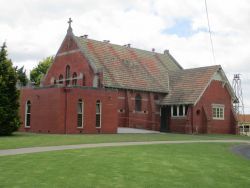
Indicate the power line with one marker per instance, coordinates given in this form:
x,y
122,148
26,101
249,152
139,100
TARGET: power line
x,y
210,34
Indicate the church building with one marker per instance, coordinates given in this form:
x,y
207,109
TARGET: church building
x,y
96,86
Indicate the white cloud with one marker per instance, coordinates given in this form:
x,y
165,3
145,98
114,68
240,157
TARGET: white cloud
x,y
34,29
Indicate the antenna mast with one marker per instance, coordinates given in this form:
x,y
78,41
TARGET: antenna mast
x,y
239,105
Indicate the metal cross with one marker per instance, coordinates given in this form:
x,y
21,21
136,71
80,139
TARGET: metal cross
x,y
69,22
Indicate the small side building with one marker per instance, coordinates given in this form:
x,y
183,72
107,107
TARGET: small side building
x,y
244,124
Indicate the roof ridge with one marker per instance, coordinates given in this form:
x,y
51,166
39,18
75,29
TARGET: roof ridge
x,y
196,68
210,66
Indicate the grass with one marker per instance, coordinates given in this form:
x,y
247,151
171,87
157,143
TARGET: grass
x,y
179,165
20,140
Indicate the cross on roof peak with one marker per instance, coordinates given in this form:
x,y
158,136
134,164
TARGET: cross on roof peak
x,y
69,22
69,31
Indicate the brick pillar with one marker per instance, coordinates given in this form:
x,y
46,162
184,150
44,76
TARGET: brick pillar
x,y
151,111
129,108
189,122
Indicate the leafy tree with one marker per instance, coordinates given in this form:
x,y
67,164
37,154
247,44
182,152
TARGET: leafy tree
x,y
38,72
9,95
21,76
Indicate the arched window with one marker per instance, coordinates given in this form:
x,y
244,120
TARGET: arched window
x,y
98,113
74,81
80,112
83,80
27,114
138,103
55,81
67,76
60,79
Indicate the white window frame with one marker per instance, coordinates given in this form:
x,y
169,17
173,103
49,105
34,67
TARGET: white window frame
x,y
218,107
26,113
82,113
178,114
100,113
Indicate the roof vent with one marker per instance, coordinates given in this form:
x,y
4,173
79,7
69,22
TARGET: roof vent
x,y
128,45
107,41
166,51
84,36
153,50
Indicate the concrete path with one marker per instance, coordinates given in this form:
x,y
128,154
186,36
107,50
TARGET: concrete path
x,y
243,150
79,146
133,130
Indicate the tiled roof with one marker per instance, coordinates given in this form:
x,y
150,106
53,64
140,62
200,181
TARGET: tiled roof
x,y
187,85
129,68
244,118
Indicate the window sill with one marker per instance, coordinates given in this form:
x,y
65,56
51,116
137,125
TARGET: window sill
x,y
218,119
178,117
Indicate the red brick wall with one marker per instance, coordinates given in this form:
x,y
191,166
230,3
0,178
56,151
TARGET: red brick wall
x,y
48,110
147,118
75,60
216,93
177,124
199,118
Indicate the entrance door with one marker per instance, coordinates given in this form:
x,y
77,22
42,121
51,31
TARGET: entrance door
x,y
165,119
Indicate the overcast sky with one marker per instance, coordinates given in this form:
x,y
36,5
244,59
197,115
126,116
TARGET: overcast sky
x,y
34,29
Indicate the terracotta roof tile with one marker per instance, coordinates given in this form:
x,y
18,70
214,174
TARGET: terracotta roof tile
x,y
244,118
187,85
129,68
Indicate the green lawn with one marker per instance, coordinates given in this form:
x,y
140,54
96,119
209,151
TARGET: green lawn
x,y
178,165
19,140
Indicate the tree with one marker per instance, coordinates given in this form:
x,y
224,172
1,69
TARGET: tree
x,y
38,72
9,95
21,76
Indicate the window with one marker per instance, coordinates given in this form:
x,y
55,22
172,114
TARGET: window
x,y
27,114
83,80
80,110
218,111
74,81
174,110
98,114
138,103
67,75
179,110
60,79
